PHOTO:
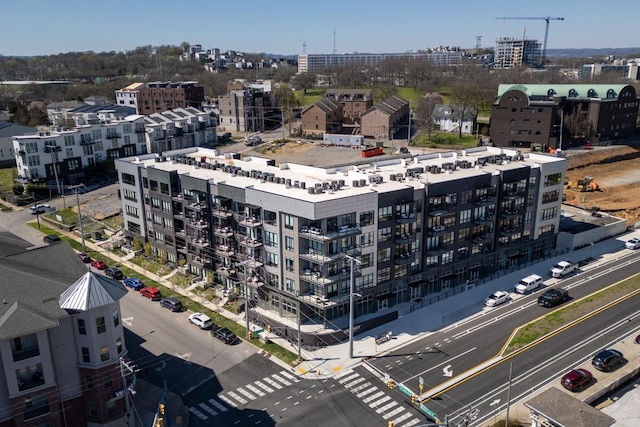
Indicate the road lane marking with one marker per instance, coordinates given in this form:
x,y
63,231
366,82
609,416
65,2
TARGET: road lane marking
x,y
289,376
272,383
448,361
228,401
237,397
397,421
353,383
394,412
246,393
206,408
386,407
360,387
365,392
348,378
263,386
379,401
372,397
255,390
215,403
198,413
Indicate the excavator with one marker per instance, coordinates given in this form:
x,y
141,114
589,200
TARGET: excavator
x,y
585,185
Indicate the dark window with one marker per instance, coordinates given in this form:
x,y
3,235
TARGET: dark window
x,y
82,330
100,325
86,357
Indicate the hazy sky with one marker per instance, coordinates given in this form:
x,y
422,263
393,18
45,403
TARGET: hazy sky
x,y
44,27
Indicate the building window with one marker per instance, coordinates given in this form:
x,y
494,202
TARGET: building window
x,y
86,356
290,285
366,218
89,382
25,347
101,326
104,353
108,380
384,234
384,255
288,221
93,409
465,216
111,407
35,406
270,239
119,345
289,264
288,243
127,178
553,179
384,274
82,329
385,213
116,318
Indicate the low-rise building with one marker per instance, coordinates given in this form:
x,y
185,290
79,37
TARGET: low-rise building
x,y
354,102
446,118
325,116
154,97
285,235
386,118
61,342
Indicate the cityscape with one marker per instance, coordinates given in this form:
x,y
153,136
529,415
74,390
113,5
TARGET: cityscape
x,y
444,236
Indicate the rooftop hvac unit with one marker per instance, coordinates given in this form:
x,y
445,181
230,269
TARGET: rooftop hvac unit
x,y
363,182
311,190
303,185
393,177
355,183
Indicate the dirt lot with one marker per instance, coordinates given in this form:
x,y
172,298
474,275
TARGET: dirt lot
x,y
616,170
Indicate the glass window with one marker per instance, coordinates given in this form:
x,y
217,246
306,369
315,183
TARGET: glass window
x,y
104,353
82,329
86,356
288,243
366,218
101,325
93,409
288,221
119,345
116,318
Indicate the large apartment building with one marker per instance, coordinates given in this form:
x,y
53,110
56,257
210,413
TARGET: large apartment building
x,y
246,110
316,62
417,225
154,97
61,342
516,52
103,136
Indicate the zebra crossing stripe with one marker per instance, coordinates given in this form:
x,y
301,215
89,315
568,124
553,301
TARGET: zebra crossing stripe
x,y
401,418
246,393
379,401
366,391
228,401
198,413
237,397
360,387
282,380
373,397
394,412
289,376
348,378
412,422
255,390
353,383
206,408
215,403
264,386
272,383
386,407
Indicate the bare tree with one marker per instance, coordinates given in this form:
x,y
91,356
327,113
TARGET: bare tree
x,y
425,109
305,81
465,97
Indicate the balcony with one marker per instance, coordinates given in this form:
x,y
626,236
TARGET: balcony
x,y
486,200
481,238
251,261
200,242
405,258
317,234
488,219
140,129
405,238
247,221
437,230
221,212
198,224
405,218
226,272
113,135
225,232
197,206
26,353
249,242
225,250
508,231
201,261
510,213
52,148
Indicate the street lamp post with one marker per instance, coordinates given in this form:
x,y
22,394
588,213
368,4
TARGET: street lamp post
x,y
352,293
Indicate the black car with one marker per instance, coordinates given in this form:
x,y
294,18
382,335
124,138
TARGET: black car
x,y
114,273
553,297
224,335
607,360
171,303
51,239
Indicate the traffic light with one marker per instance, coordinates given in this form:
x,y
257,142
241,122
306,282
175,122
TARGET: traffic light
x,y
414,399
161,408
269,328
249,335
390,424
391,384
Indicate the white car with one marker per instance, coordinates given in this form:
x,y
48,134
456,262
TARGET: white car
x,y
201,320
39,209
633,243
496,298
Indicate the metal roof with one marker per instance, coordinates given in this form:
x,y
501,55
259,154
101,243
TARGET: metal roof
x,y
92,290
581,90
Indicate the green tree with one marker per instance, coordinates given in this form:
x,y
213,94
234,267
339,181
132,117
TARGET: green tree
x,y
137,245
148,249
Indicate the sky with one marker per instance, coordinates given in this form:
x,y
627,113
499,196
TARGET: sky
x,y
45,27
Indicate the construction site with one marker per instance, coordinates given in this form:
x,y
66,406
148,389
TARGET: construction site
x,y
605,179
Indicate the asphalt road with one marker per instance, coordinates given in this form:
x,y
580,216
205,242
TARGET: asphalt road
x,y
464,346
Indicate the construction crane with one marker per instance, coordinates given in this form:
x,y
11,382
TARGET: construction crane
x,y
546,31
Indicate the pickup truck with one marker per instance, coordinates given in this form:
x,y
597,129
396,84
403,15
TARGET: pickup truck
x,y
553,297
562,268
529,283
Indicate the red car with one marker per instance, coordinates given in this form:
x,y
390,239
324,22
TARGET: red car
x,y
152,293
98,264
576,379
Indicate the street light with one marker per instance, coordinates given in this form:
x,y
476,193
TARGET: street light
x,y
352,293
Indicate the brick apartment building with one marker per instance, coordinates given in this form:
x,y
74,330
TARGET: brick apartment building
x,y
153,97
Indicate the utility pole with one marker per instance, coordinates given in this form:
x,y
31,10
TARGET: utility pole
x,y
129,367
352,293
409,131
509,394
75,188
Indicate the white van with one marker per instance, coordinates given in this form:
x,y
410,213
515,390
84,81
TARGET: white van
x,y
529,283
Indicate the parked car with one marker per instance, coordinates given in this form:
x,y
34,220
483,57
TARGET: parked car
x,y
171,303
114,273
201,320
39,209
496,298
99,265
633,243
553,297
607,360
226,135
224,335
152,293
529,283
133,283
576,379
51,239
84,257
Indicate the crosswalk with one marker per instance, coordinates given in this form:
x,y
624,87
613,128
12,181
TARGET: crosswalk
x,y
377,400
243,395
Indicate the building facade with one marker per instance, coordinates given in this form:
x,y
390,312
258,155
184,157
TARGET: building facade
x,y
103,136
246,110
61,342
284,234
317,62
354,102
513,52
325,116
445,118
154,97
529,116
386,118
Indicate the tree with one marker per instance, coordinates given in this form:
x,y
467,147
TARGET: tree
x,y
424,111
305,81
286,100
465,97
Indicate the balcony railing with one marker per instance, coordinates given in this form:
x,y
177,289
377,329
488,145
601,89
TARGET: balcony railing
x,y
113,135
